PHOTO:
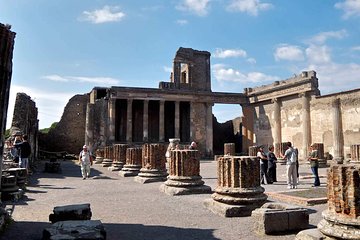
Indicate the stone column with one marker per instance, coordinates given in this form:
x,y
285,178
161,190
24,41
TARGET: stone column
x,y
342,218
209,130
277,121
111,126
129,121
99,155
248,126
355,152
153,164
133,162
192,127
119,156
253,150
184,174
146,121
177,119
162,121
89,126
306,124
108,158
238,192
229,149
177,73
337,132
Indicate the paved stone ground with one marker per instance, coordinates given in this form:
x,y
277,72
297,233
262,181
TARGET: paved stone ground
x,y
134,211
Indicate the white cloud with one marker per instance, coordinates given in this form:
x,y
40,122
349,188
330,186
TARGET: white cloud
x,y
50,104
221,73
182,22
106,14
350,7
324,36
167,69
318,54
227,53
251,7
198,7
251,60
289,52
96,80
356,48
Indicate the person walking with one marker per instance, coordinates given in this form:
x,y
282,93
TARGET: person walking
x,y
272,164
85,161
314,164
264,178
24,151
291,159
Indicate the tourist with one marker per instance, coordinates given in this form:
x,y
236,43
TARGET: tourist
x,y
264,178
193,146
291,159
85,161
24,151
297,165
272,164
314,164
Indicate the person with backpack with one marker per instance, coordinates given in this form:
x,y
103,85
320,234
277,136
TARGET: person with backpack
x,y
24,151
291,159
314,164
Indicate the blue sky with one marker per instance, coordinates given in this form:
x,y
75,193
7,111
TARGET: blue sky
x,y
66,47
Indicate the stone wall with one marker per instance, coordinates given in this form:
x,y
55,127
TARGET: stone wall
x,y
25,120
69,133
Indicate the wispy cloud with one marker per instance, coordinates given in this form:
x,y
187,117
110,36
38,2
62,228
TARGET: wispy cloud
x,y
356,48
251,7
96,80
182,22
322,37
104,15
318,54
198,7
228,53
288,52
222,73
351,8
167,69
251,60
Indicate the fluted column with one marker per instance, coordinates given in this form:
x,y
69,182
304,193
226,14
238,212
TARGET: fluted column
x,y
355,152
277,125
184,174
153,164
209,130
133,162
342,218
177,119
108,159
146,121
306,124
238,191
337,131
129,121
162,121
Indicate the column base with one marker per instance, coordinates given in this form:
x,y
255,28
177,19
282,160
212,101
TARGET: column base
x,y
129,170
311,234
174,191
337,230
151,175
227,210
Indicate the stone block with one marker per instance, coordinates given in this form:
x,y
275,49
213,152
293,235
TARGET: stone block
x,y
71,212
278,217
227,210
87,229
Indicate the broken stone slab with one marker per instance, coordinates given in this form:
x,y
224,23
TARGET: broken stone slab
x,y
85,229
71,212
280,217
311,234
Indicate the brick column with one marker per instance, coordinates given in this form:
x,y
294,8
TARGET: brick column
x,y
342,218
133,162
119,156
277,122
177,73
209,130
153,164
253,150
129,121
229,149
306,124
146,121
111,126
184,174
99,155
238,192
355,152
89,126
337,132
108,157
177,119
162,121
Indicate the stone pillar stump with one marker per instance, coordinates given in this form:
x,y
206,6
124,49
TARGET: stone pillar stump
x,y
253,150
133,162
355,152
229,149
238,192
99,156
108,158
119,157
184,174
153,164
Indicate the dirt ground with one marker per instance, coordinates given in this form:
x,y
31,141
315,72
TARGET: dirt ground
x,y
134,211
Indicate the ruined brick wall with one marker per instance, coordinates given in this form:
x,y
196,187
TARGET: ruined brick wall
x,y
69,134
25,120
198,123
322,119
227,132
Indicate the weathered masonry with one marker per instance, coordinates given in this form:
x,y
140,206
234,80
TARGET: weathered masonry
x,y
181,108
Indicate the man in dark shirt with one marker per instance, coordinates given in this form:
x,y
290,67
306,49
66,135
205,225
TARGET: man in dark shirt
x,y
24,152
314,164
